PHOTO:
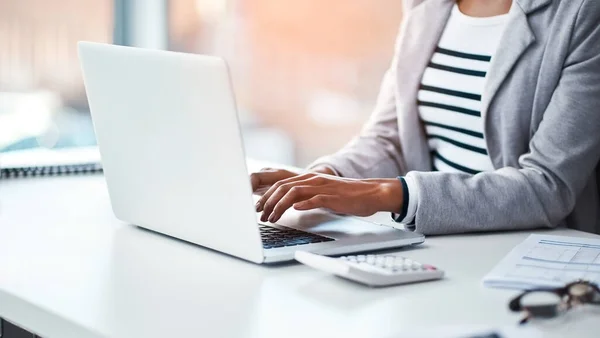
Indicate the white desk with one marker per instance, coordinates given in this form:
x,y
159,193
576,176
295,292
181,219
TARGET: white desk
x,y
68,268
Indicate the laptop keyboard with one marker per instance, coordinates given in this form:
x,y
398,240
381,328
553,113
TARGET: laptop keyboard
x,y
277,238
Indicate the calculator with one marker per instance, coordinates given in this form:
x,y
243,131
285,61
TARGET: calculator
x,y
372,270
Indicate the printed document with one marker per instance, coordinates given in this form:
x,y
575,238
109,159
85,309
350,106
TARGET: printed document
x,y
547,261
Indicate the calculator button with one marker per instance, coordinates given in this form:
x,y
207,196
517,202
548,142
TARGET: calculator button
x,y
361,258
368,267
371,259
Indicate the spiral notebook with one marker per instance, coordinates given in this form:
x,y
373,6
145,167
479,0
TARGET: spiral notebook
x,y
42,162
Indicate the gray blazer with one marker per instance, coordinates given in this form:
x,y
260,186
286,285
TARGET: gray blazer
x,y
541,111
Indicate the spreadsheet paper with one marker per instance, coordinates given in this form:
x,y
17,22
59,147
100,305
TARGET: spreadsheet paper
x,y
547,261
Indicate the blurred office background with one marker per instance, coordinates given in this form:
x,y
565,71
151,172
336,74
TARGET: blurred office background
x,y
306,72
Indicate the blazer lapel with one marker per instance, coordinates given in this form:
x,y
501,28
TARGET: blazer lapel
x,y
516,39
422,28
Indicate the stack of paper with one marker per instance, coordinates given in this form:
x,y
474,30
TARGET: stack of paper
x,y
547,261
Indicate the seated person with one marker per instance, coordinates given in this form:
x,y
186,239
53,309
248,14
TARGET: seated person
x,y
488,119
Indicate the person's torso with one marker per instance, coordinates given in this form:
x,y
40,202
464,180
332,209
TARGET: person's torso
x,y
519,87
449,97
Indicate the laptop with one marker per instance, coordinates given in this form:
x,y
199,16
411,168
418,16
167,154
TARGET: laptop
x,y
173,158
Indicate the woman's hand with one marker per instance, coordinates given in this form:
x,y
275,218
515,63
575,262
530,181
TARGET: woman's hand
x,y
266,177
314,190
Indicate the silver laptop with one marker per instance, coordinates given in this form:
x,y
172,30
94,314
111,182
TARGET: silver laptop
x,y
173,158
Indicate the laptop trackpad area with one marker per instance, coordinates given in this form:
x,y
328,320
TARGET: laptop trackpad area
x,y
334,226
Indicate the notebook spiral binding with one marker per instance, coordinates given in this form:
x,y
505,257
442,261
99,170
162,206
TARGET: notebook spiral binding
x,y
62,170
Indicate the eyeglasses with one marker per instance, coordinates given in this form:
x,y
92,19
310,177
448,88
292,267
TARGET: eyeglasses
x,y
549,303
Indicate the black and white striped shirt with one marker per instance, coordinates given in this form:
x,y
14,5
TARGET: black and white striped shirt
x,y
449,98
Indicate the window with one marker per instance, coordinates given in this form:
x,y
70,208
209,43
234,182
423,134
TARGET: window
x,y
307,69
306,72
42,98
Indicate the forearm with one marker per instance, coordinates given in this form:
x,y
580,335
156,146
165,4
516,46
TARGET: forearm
x,y
506,199
365,157
376,152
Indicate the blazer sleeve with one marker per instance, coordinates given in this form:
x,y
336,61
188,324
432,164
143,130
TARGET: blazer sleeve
x,y
564,153
375,152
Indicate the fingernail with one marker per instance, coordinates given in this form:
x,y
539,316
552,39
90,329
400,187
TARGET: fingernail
x,y
257,206
272,218
263,218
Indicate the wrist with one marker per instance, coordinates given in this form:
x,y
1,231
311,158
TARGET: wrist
x,y
391,195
